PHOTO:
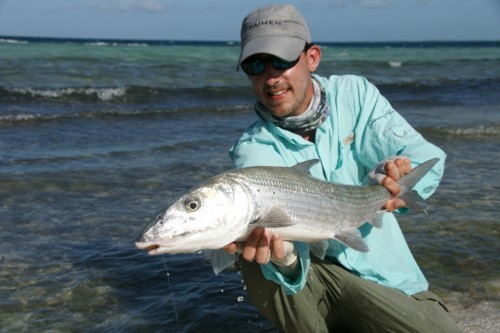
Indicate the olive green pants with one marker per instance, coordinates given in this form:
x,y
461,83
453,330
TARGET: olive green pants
x,y
335,300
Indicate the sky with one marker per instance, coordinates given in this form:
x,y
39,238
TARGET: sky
x,y
220,20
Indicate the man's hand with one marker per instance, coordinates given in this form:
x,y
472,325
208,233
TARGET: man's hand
x,y
259,246
394,170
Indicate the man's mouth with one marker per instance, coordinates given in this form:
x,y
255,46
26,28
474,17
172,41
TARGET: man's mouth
x,y
278,93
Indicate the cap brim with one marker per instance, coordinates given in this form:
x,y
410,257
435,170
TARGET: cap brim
x,y
284,47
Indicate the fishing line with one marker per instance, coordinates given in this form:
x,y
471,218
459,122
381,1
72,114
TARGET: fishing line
x,y
171,294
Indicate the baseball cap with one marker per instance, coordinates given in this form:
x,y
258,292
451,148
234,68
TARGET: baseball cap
x,y
279,30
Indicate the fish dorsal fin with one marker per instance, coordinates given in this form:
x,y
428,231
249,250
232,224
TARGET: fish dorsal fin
x,y
352,238
306,165
221,260
275,217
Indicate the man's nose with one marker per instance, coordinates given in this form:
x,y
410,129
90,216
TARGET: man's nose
x,y
272,73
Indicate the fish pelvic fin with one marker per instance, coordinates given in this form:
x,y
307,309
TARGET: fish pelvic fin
x,y
221,260
352,238
412,199
378,219
319,249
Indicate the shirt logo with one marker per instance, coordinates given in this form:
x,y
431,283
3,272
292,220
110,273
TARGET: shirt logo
x,y
387,114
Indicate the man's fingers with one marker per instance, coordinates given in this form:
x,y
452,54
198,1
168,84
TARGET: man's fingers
x,y
263,253
391,185
398,168
277,247
231,248
404,166
391,170
251,244
257,246
393,204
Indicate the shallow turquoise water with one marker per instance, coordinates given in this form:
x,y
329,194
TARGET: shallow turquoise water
x,y
95,139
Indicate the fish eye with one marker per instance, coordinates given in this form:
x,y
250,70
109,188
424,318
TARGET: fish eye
x,y
192,204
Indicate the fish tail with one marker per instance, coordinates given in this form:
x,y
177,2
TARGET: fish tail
x,y
414,202
412,199
411,179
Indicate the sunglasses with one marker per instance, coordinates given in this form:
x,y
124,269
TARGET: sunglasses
x,y
256,66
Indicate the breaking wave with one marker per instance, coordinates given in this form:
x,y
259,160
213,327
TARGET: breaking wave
x,y
102,94
120,94
465,131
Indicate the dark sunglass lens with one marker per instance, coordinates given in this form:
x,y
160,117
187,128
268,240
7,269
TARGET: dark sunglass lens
x,y
279,63
255,67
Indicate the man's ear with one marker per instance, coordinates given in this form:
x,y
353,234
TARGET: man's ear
x,y
313,57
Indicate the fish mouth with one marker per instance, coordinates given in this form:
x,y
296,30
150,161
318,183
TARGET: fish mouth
x,y
152,248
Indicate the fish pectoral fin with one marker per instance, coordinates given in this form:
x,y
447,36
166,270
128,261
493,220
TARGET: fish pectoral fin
x,y
221,260
352,238
319,249
275,217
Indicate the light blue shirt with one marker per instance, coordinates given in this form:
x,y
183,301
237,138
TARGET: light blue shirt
x,y
362,130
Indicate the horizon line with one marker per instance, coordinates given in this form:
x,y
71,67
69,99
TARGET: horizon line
x,y
235,42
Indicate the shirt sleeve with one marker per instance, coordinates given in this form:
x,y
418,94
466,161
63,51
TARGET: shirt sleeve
x,y
271,272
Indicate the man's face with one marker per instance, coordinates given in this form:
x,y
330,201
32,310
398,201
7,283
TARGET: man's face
x,y
286,92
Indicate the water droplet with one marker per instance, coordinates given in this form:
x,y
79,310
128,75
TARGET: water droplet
x,y
240,298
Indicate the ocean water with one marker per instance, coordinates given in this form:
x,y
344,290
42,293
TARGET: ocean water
x,y
97,136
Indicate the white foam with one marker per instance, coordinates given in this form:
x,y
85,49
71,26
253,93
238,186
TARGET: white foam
x,y
12,41
395,63
116,44
103,93
17,117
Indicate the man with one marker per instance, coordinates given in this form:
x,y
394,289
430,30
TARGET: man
x,y
359,138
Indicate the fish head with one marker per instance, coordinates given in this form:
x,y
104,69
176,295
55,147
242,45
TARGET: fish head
x,y
208,216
